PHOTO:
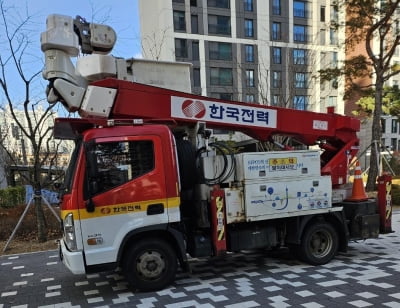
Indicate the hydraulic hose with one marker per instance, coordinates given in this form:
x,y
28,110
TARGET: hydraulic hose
x,y
227,170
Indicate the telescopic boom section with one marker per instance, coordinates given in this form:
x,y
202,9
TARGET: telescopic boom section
x,y
335,134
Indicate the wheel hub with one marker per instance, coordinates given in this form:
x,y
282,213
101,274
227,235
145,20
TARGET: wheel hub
x,y
321,243
150,265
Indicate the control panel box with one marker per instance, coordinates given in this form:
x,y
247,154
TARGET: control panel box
x,y
268,165
280,198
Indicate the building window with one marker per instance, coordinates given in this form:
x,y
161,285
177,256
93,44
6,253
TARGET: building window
x,y
300,102
322,13
195,50
193,2
334,14
299,9
334,83
332,101
323,36
221,76
220,51
300,33
249,53
322,103
250,98
277,55
226,96
275,100
394,126
300,80
225,4
179,21
393,146
180,48
276,7
250,78
324,59
194,20
178,1
248,5
299,56
276,31
276,79
322,85
248,28
219,24
196,77
333,36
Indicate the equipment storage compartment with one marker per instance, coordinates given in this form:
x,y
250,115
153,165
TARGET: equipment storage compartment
x,y
267,165
282,197
363,219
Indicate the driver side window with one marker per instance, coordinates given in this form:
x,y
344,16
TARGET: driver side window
x,y
117,163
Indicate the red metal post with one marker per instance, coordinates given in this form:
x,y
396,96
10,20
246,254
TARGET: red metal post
x,y
385,202
218,221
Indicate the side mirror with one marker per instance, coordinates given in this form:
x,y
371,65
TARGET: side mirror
x,y
93,186
90,205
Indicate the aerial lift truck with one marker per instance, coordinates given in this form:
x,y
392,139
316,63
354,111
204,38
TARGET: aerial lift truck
x,y
150,186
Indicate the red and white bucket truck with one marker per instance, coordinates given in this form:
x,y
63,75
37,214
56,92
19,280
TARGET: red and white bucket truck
x,y
148,186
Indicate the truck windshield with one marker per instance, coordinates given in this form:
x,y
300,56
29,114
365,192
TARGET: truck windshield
x,y
69,175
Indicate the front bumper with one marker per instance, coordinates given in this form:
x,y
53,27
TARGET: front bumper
x,y
73,260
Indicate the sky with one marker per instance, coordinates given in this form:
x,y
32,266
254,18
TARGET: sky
x,y
121,15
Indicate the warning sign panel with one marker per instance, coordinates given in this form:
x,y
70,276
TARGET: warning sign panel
x,y
282,164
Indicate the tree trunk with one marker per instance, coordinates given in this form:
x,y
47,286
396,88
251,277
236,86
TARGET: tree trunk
x,y
376,137
40,219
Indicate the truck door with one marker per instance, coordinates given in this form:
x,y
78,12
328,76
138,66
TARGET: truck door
x,y
124,190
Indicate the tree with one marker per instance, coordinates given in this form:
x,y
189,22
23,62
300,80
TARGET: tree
x,y
373,25
18,77
390,102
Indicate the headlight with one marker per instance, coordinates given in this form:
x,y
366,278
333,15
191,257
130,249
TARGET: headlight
x,y
69,231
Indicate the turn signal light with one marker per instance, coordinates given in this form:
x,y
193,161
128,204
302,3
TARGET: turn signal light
x,y
95,241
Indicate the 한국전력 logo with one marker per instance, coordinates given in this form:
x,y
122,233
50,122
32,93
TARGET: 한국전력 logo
x,y
193,109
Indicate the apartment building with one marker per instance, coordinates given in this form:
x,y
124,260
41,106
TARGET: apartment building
x,y
261,51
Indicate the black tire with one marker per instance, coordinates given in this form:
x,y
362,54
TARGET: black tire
x,y
319,244
150,265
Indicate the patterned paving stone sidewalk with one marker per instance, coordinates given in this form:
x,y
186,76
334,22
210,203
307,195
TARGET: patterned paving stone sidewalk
x,y
366,276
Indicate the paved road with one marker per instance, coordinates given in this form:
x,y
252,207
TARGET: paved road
x,y
366,276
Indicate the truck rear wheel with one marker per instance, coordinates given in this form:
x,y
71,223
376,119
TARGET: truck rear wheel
x,y
319,244
150,265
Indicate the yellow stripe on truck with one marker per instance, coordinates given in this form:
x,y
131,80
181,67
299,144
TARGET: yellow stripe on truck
x,y
122,208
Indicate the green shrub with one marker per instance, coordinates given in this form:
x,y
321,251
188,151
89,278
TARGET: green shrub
x,y
12,196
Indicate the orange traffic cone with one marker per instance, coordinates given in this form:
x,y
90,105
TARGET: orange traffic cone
x,y
358,193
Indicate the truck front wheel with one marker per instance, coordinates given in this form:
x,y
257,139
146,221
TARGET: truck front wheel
x,y
319,244
150,265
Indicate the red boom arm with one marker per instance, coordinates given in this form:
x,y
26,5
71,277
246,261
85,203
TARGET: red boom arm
x,y
335,134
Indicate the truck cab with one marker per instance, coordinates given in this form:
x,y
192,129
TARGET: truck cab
x,y
122,186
